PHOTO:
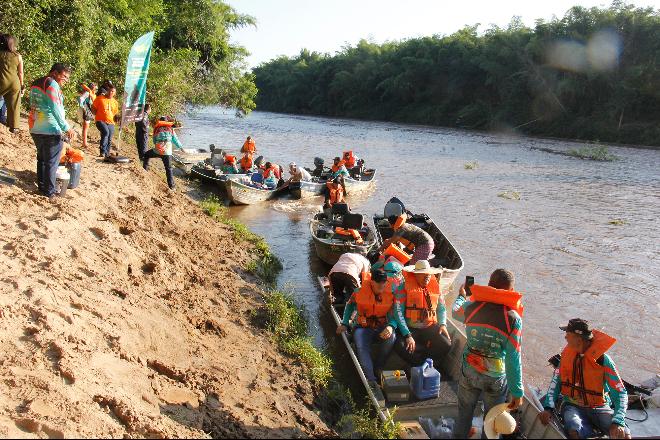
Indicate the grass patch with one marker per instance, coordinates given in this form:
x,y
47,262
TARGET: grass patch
x,y
598,153
289,327
471,165
618,222
509,195
267,266
363,424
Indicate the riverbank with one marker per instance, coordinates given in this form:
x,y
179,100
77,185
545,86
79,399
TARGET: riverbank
x,y
127,311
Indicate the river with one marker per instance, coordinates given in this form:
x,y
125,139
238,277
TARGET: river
x,y
569,260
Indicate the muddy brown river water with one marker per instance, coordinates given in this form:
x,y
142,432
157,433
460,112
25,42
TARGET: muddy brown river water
x,y
569,259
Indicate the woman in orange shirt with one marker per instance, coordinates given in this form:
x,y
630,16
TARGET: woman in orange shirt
x,y
105,109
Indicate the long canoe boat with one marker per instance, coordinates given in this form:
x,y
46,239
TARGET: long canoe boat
x,y
242,194
330,246
302,190
446,404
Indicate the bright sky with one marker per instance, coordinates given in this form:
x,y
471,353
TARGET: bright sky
x,y
286,26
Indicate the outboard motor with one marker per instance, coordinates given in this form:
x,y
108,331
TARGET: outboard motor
x,y
318,164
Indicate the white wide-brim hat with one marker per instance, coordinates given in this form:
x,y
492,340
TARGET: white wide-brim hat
x,y
423,266
499,421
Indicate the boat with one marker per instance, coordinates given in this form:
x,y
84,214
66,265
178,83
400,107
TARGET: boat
x,y
446,404
316,187
329,244
240,193
186,158
445,254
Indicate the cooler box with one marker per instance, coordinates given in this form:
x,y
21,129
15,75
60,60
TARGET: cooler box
x,y
395,386
412,430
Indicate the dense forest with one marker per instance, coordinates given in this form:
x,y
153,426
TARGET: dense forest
x,y
193,60
592,74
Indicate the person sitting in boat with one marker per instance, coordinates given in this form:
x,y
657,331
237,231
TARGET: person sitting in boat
x,y
249,146
299,174
229,166
346,275
587,383
375,324
491,360
422,316
334,192
270,174
339,169
247,164
413,238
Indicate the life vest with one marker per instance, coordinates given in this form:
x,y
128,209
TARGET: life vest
x,y
72,155
393,250
336,194
340,164
350,232
246,162
272,170
583,377
508,298
230,160
371,312
349,159
249,147
421,307
160,127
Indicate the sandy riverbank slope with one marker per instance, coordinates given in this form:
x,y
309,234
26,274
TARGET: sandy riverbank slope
x,y
125,313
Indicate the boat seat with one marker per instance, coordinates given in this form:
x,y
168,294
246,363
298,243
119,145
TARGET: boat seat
x,y
352,221
339,209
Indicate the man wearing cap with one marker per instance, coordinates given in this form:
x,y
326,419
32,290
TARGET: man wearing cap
x,y
491,361
422,316
375,323
588,383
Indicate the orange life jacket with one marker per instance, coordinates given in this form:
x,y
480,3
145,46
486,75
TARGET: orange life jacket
x,y
246,161
509,298
393,250
230,159
421,307
336,194
273,169
350,232
583,377
72,155
340,164
160,124
371,312
349,159
249,147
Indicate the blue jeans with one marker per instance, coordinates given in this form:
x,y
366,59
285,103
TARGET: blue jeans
x,y
107,130
3,111
49,148
167,163
364,338
582,420
470,386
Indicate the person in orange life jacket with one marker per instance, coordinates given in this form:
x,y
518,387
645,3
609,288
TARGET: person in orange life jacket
x,y
249,146
422,316
346,275
375,322
491,361
164,138
339,168
350,159
588,383
270,174
410,236
247,163
334,192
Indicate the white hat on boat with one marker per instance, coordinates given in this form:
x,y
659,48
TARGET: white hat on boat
x,y
499,421
423,266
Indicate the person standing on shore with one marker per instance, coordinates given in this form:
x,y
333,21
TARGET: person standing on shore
x,y
47,124
105,109
491,361
85,115
164,138
142,132
11,79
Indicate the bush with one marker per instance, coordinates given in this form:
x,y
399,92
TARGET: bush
x,y
599,153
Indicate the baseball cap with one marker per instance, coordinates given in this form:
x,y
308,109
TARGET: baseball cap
x,y
579,327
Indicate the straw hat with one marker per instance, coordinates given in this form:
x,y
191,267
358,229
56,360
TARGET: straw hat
x,y
499,421
423,266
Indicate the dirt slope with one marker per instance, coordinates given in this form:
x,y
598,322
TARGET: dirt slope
x,y
125,313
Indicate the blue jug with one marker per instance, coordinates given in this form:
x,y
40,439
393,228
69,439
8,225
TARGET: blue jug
x,y
425,381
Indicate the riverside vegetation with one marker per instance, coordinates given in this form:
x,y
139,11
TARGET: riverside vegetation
x,y
592,74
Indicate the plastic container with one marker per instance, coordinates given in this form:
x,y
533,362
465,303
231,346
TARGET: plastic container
x,y
75,169
425,381
62,178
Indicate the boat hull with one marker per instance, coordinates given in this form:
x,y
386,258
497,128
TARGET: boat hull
x,y
303,190
330,249
241,194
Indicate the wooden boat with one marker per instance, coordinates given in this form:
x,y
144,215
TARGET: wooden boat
x,y
329,245
445,254
242,194
446,404
301,190
188,157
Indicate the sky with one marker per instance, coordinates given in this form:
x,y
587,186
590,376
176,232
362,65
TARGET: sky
x,y
286,26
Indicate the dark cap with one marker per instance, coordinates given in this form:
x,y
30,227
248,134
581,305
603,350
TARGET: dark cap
x,y
378,276
579,327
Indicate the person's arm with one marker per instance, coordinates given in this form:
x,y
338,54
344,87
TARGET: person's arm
x,y
550,399
458,309
57,106
94,106
399,308
20,71
618,394
176,142
441,311
512,361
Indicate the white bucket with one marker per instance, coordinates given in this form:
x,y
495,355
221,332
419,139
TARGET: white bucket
x,y
63,178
